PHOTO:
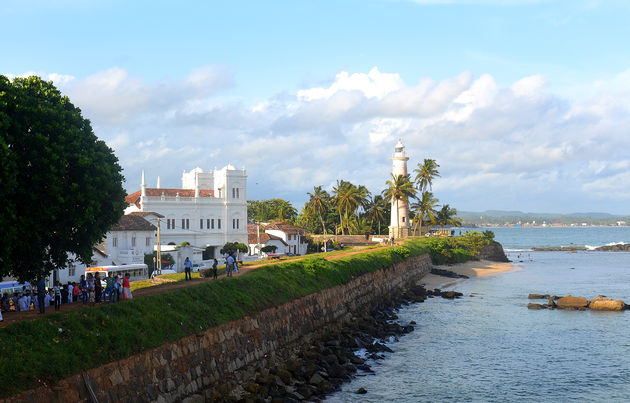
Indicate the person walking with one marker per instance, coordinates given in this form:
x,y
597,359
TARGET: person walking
x,y
214,268
110,290
70,292
57,289
91,288
84,289
229,265
98,288
188,269
41,295
127,287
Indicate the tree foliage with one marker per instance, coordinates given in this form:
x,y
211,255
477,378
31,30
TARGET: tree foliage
x,y
62,186
271,210
232,247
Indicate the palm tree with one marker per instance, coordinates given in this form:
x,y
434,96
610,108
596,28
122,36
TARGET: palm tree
x,y
399,188
338,192
447,217
425,173
318,203
425,209
375,210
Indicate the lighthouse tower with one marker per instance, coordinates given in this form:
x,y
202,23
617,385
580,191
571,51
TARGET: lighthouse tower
x,y
399,225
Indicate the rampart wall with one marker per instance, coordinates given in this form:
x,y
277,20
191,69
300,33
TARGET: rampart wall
x,y
195,365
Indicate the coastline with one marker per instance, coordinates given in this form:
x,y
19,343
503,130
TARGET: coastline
x,y
479,268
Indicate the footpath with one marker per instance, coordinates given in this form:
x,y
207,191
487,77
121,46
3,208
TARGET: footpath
x,y
12,317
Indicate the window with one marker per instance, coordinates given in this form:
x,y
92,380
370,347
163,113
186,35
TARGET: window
x,y
201,223
403,219
235,223
170,223
115,242
148,241
185,223
237,195
71,270
238,222
208,223
133,241
233,193
218,223
212,223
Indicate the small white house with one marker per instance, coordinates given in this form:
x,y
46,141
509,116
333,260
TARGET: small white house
x,y
257,239
294,237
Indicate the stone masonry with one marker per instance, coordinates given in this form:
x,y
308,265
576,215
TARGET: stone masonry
x,y
197,364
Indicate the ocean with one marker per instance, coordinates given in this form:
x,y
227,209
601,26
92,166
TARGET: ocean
x,y
488,347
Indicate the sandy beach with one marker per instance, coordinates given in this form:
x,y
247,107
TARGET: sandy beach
x,y
471,269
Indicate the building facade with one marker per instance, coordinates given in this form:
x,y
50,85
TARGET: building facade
x,y
209,210
399,225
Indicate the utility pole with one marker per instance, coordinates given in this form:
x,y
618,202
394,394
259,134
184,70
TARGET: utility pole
x,y
159,252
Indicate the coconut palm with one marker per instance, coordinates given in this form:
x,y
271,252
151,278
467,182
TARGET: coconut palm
x,y
318,203
376,210
399,188
446,216
425,173
425,210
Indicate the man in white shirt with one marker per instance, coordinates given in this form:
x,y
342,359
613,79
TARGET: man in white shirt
x,y
23,303
70,289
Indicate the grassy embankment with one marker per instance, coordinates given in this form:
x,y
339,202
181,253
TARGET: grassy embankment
x,y
56,345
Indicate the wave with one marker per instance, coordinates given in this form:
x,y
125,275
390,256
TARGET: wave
x,y
513,250
590,247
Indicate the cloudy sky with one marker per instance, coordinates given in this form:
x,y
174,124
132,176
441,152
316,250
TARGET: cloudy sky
x,y
525,104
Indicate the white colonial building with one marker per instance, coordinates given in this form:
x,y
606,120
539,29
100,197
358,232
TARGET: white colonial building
x,y
209,210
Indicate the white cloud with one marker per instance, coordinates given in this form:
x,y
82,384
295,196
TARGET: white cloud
x,y
513,146
372,85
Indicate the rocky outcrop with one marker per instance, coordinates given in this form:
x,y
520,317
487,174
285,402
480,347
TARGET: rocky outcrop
x,y
571,302
622,247
493,252
602,303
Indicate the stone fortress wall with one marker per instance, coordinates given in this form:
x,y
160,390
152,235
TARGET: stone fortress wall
x,y
194,365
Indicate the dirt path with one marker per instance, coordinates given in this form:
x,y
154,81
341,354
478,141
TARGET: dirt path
x,y
11,317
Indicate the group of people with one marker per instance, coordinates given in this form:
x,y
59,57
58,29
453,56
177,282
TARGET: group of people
x,y
231,264
89,290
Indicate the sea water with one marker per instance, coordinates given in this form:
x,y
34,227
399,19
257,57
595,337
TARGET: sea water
x,y
488,347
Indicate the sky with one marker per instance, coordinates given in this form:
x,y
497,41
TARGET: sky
x,y
524,104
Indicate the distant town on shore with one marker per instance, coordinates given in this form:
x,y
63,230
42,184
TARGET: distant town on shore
x,y
494,218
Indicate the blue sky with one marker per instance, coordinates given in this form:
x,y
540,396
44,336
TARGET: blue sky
x,y
524,104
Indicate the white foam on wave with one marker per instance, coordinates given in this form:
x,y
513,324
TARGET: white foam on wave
x,y
589,247
507,250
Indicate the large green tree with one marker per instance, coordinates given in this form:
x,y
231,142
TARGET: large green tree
x,y
271,210
61,185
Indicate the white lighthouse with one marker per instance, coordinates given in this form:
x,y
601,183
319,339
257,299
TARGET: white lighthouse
x,y
399,224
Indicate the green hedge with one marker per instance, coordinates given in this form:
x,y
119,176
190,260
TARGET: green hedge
x,y
56,345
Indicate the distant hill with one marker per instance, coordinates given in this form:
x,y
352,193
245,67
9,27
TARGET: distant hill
x,y
515,217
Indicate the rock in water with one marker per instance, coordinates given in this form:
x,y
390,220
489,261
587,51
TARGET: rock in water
x,y
536,306
571,302
602,303
538,296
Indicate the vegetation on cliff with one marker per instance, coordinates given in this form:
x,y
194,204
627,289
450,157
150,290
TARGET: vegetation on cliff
x,y
56,345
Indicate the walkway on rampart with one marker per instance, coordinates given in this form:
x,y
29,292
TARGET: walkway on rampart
x,y
11,317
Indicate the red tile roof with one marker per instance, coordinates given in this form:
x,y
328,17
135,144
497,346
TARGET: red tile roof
x,y
134,198
286,228
133,223
146,213
252,236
